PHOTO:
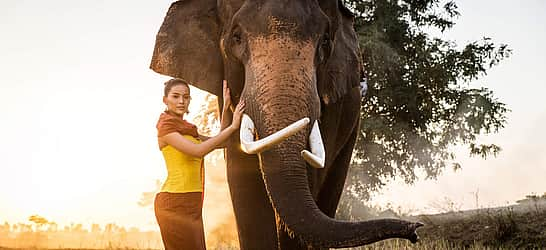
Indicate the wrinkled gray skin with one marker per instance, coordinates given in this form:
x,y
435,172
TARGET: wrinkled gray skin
x,y
287,60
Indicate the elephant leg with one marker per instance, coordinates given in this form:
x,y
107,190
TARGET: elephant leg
x,y
331,190
334,181
253,212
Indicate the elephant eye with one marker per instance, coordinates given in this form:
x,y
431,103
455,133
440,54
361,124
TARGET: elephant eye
x,y
324,48
236,45
236,37
325,41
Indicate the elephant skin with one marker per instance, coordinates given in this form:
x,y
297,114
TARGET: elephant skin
x,y
287,59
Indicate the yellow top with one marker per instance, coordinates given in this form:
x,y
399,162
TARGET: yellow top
x,y
184,172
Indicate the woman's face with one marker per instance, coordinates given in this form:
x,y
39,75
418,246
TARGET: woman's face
x,y
178,99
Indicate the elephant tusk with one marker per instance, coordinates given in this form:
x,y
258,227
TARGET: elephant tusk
x,y
249,146
317,156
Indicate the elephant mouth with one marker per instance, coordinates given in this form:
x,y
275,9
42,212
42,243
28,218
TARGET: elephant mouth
x,y
249,144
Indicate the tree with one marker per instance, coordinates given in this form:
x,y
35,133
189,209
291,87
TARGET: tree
x,y
419,101
39,221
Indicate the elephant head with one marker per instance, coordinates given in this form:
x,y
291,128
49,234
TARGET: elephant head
x,y
290,61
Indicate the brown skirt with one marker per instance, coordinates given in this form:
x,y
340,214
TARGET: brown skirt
x,y
180,220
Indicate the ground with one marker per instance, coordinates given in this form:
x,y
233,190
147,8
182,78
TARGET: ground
x,y
521,226
518,226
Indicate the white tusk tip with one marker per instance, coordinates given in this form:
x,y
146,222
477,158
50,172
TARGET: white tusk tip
x,y
312,159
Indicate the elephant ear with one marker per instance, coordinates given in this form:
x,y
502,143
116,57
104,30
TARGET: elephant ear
x,y
342,71
187,45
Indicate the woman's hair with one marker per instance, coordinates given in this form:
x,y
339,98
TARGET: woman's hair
x,y
173,82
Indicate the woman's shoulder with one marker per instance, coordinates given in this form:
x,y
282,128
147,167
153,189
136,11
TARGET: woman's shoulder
x,y
168,123
165,118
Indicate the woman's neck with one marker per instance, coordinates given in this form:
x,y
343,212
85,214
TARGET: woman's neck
x,y
175,114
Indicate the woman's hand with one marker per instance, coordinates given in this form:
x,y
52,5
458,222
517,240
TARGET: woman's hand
x,y
237,114
226,115
227,96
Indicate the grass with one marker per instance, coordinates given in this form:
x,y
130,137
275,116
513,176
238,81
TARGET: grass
x,y
514,227
425,245
490,229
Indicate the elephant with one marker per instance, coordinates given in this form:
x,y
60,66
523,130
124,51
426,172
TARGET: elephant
x,y
296,64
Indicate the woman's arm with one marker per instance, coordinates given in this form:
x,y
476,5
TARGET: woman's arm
x,y
197,149
225,115
221,145
200,150
204,137
224,120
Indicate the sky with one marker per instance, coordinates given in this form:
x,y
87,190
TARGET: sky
x,y
78,107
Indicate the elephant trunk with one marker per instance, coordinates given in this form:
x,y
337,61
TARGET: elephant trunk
x,y
273,107
285,176
280,90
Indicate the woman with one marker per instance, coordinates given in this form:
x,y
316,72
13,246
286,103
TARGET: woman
x,y
179,203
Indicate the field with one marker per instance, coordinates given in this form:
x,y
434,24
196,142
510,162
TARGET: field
x,y
515,227
520,226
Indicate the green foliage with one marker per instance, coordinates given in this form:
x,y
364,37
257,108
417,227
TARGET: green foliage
x,y
419,102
